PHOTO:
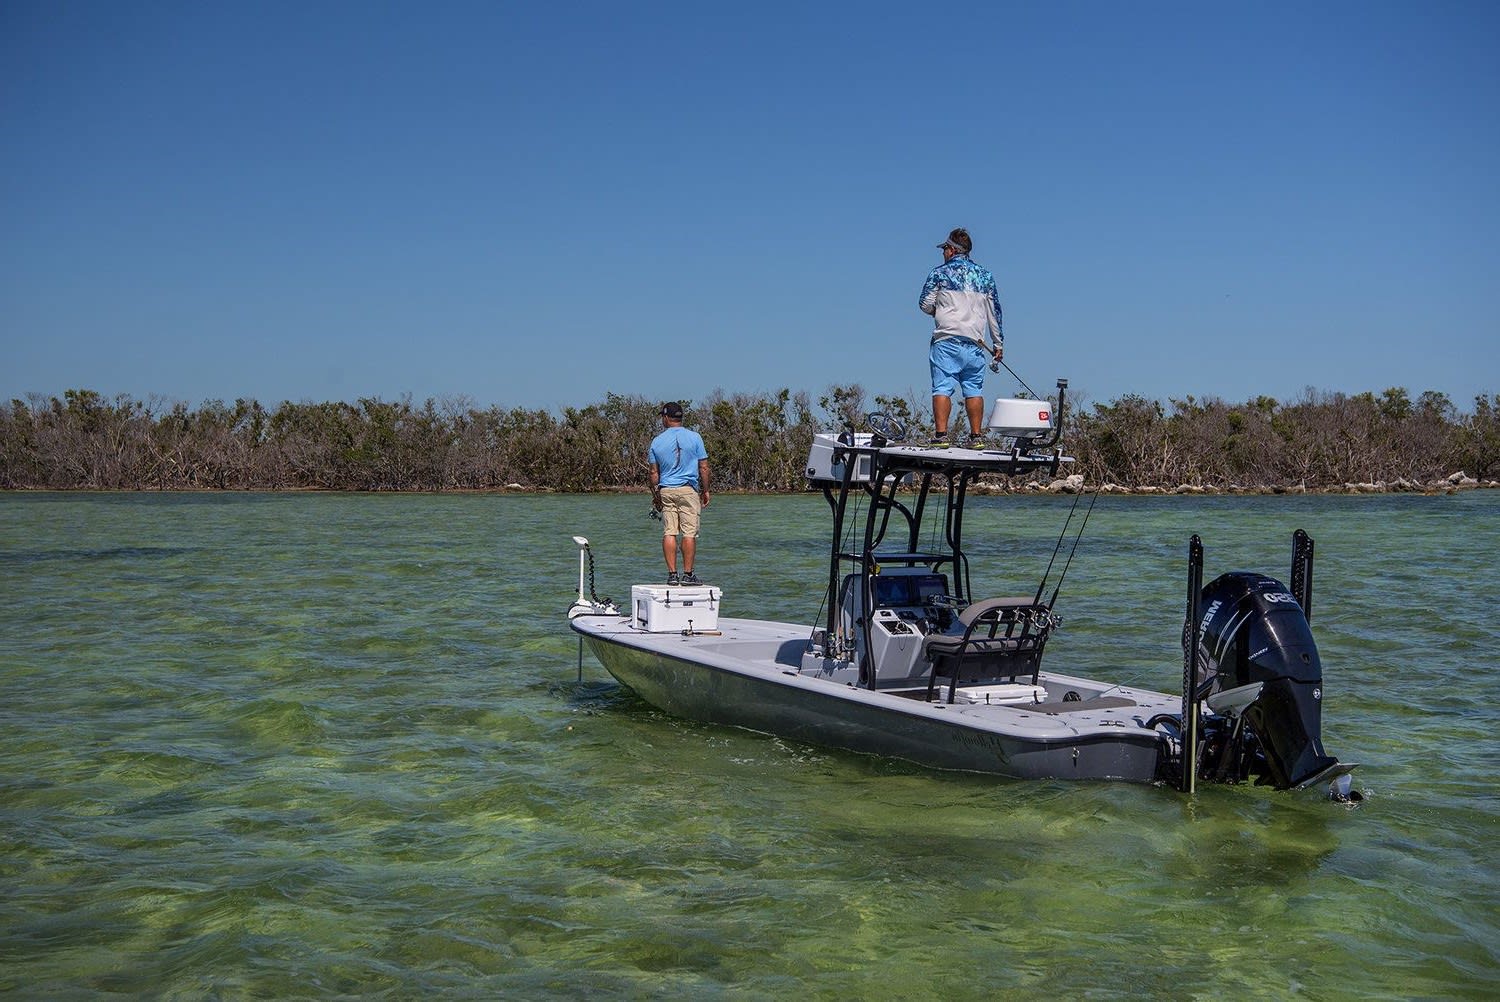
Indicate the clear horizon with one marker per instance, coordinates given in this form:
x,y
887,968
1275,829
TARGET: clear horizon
x,y
535,208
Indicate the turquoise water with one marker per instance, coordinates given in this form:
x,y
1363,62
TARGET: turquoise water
x,y
332,745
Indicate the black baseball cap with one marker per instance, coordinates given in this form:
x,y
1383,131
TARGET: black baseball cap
x,y
671,409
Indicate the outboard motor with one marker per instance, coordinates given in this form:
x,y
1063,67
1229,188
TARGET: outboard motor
x,y
1256,647
1249,656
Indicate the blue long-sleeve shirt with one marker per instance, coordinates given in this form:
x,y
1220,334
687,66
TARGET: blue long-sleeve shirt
x,y
961,298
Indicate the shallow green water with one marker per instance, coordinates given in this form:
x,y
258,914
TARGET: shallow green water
x,y
325,745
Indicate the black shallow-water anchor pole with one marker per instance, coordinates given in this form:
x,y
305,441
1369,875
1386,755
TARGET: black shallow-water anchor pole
x,y
1302,571
1190,667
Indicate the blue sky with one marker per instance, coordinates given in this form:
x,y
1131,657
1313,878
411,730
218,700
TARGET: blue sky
x,y
533,205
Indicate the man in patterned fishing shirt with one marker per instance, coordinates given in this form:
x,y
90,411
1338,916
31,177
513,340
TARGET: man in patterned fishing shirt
x,y
960,297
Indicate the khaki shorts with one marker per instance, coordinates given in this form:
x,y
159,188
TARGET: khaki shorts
x,y
679,511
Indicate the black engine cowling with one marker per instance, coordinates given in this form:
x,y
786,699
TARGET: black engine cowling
x,y
1257,660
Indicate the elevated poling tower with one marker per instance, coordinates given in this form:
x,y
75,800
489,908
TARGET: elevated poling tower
x,y
869,467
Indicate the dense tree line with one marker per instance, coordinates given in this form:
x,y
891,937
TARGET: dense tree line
x,y
757,441
87,441
1318,441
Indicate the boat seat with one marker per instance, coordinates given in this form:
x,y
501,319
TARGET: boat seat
x,y
992,639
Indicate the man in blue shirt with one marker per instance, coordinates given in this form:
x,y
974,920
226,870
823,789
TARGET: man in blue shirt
x,y
960,297
679,489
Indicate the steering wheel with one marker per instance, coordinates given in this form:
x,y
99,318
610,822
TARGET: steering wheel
x,y
940,610
887,427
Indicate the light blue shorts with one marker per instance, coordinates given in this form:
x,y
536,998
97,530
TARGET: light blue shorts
x,y
957,363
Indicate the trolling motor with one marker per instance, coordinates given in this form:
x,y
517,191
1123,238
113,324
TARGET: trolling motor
x,y
1249,657
590,604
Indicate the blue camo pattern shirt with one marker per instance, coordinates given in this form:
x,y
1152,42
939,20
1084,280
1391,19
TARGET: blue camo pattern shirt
x,y
962,300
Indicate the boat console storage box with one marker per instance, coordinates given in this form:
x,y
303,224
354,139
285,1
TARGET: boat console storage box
x,y
675,608
821,465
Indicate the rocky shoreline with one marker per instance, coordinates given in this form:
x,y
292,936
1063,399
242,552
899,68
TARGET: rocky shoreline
x,y
1075,484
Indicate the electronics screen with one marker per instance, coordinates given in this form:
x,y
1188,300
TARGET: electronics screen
x,y
908,589
892,591
928,585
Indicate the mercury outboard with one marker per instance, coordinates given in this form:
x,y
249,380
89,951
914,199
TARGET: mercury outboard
x,y
1249,656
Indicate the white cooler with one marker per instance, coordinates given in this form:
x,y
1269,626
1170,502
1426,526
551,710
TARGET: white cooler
x,y
1016,693
1015,418
675,608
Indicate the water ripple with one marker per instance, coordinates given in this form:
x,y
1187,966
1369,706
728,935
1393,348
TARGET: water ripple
x,y
338,746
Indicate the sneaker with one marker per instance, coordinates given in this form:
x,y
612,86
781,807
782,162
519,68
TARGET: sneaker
x,y
674,579
690,579
976,442
938,441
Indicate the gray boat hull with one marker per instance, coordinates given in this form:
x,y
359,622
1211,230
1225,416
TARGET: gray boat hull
x,y
749,675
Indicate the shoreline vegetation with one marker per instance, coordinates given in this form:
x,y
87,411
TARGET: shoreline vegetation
x,y
1321,442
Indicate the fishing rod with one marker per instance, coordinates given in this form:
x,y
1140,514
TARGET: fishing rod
x,y
1052,602
997,363
1049,441
1042,586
